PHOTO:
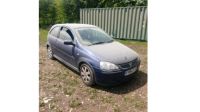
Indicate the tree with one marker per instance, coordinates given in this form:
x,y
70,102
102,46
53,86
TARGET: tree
x,y
47,12
60,14
63,11
122,3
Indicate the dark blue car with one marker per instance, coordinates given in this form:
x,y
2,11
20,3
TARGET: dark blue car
x,y
93,53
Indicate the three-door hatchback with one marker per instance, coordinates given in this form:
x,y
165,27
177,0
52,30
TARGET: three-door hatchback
x,y
93,53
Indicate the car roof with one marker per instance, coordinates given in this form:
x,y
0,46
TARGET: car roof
x,y
75,25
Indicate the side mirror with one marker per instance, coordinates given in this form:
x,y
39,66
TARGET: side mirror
x,y
68,42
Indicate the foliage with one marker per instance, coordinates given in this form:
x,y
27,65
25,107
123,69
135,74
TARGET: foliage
x,y
59,8
63,11
122,3
47,12
43,35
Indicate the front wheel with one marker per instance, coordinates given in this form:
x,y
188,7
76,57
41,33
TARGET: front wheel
x,y
87,75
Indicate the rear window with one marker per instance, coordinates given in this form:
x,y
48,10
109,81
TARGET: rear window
x,y
55,31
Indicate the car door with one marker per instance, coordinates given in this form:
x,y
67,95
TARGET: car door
x,y
52,38
66,51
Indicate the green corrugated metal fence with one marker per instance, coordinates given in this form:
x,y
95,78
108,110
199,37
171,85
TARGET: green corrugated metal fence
x,y
121,22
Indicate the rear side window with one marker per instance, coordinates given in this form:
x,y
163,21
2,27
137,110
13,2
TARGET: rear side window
x,y
65,34
55,31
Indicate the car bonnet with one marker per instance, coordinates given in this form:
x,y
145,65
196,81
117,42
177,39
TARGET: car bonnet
x,y
114,52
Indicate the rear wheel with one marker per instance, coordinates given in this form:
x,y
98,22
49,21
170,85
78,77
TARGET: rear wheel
x,y
50,53
87,75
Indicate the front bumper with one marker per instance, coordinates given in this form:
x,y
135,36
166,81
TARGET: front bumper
x,y
113,77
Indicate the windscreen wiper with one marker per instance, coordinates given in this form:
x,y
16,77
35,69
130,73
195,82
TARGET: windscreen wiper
x,y
97,43
109,41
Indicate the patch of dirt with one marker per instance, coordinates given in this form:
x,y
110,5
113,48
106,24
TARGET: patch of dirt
x,y
61,89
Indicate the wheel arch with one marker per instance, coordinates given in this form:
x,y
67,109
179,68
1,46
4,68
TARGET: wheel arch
x,y
83,62
90,65
47,44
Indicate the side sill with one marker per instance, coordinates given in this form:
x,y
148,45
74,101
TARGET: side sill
x,y
66,63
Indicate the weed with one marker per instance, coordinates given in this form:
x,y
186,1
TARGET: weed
x,y
92,92
43,35
128,42
74,102
127,99
42,104
116,108
136,101
107,99
139,104
72,82
68,90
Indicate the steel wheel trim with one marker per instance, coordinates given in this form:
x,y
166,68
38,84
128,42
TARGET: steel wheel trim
x,y
49,52
85,74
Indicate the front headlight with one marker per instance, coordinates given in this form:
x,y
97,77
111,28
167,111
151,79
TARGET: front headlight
x,y
108,66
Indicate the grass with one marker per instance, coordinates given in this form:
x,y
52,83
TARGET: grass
x,y
74,102
129,42
43,35
92,92
116,108
42,104
139,104
135,101
69,86
107,99
69,90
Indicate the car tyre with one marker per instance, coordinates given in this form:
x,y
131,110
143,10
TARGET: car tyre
x,y
50,53
87,74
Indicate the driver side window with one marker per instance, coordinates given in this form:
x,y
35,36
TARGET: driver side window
x,y
64,34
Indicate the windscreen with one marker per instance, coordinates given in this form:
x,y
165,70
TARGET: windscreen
x,y
93,35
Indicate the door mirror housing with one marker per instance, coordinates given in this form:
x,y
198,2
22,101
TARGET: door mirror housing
x,y
68,42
